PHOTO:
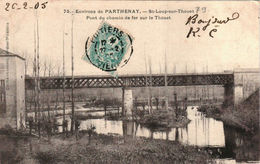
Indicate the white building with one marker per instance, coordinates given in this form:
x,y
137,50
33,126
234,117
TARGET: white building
x,y
12,90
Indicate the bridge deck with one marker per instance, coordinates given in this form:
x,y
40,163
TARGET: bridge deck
x,y
153,80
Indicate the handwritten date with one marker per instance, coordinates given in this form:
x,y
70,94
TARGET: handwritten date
x,y
25,6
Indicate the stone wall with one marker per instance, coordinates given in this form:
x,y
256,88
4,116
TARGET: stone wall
x,y
247,81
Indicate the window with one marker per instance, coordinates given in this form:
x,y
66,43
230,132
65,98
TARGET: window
x,y
2,97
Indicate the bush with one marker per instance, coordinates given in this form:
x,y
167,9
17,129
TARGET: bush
x,y
210,110
46,157
138,113
151,121
112,116
91,130
7,129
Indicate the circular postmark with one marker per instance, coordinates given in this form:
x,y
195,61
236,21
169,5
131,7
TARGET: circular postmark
x,y
109,48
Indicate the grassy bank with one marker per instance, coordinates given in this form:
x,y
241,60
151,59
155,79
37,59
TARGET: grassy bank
x,y
237,118
111,149
100,149
18,147
244,116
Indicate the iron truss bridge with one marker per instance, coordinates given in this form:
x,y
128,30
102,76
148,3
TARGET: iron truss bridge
x,y
155,80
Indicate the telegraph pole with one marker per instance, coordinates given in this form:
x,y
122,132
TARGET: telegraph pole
x,y
35,78
38,69
150,81
72,85
159,89
207,85
63,89
195,88
174,72
146,81
166,83
186,88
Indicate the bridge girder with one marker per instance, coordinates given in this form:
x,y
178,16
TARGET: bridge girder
x,y
131,81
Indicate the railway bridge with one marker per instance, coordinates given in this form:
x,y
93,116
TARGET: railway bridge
x,y
233,92
13,84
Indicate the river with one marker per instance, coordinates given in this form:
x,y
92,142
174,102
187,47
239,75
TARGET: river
x,y
227,144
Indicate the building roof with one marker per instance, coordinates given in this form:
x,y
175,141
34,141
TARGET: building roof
x,y
4,53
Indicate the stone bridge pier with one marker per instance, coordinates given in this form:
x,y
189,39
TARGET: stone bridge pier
x,y
127,99
233,94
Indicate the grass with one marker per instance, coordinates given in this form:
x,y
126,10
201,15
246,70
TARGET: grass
x,y
109,149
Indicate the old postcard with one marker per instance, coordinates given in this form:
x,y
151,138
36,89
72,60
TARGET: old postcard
x,y
129,81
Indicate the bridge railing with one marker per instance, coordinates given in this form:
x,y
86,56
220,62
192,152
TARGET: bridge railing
x,y
132,81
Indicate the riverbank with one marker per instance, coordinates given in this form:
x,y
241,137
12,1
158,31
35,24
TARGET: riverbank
x,y
103,149
244,116
232,118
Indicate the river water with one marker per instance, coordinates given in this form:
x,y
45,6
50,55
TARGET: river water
x,y
228,145
201,131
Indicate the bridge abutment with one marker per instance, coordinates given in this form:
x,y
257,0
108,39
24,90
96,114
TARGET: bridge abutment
x,y
238,93
246,82
228,95
127,98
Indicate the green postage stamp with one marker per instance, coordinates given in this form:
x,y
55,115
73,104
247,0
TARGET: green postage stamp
x,y
109,48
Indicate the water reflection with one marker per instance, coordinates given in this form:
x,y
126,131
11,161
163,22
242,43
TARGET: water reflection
x,y
201,131
204,131
240,145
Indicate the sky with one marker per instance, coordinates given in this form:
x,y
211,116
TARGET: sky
x,y
235,44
